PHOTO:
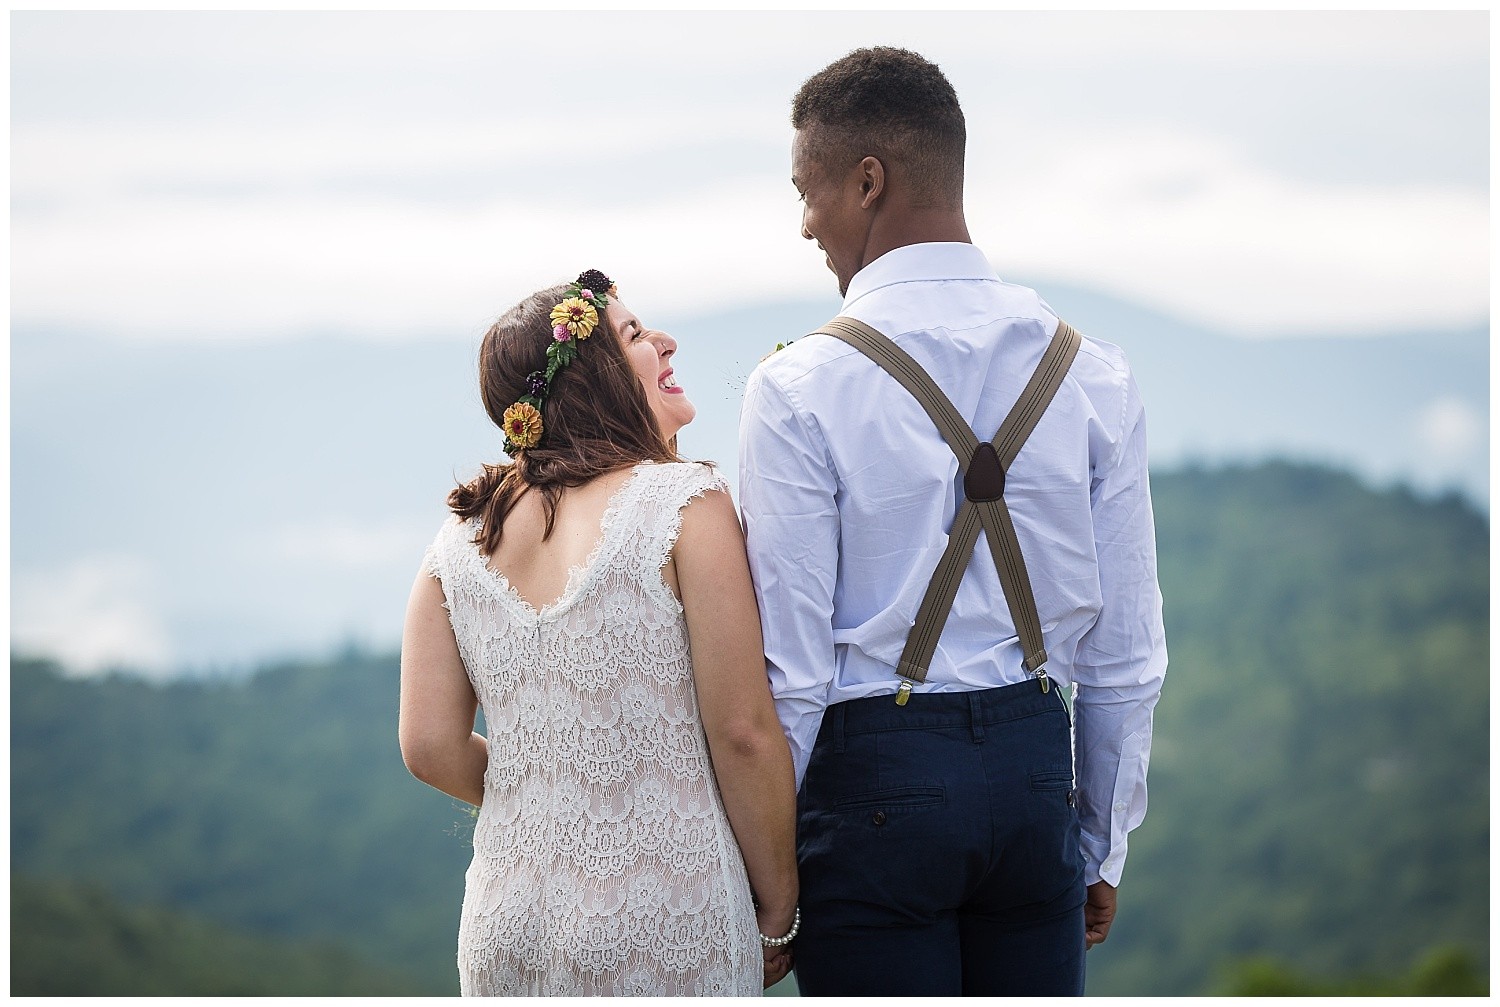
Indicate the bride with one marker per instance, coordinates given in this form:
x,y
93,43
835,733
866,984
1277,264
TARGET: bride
x,y
636,806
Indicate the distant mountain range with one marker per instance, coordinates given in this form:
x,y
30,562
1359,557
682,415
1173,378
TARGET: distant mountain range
x,y
217,504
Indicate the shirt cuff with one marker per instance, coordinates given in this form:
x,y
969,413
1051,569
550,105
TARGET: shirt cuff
x,y
1100,863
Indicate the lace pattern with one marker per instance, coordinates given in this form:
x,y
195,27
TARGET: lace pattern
x,y
603,860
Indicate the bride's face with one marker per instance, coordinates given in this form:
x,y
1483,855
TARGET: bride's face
x,y
649,352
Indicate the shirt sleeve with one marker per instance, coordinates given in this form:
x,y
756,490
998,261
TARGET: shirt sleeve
x,y
1122,660
787,502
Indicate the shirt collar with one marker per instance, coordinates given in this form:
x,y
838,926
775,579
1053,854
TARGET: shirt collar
x,y
932,260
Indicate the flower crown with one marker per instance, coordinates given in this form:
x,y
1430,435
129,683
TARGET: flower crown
x,y
574,319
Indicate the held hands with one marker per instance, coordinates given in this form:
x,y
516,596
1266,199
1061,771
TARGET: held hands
x,y
778,960
1098,912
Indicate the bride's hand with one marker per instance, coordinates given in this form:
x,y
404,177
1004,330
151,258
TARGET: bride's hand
x,y
777,961
777,964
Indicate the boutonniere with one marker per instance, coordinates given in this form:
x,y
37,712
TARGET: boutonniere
x,y
779,347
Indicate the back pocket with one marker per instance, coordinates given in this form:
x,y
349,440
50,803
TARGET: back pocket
x,y
896,797
1052,779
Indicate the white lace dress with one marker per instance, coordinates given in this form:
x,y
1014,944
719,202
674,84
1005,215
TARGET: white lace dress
x,y
603,860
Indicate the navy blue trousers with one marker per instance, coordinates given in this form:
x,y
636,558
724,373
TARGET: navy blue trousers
x,y
938,848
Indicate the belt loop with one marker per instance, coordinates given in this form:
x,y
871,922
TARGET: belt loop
x,y
838,728
976,717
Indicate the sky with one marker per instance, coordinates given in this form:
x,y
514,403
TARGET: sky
x,y
198,199
402,175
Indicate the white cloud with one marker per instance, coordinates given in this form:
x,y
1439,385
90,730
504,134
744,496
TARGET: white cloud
x,y
397,174
1191,227
1451,429
1183,224
343,545
92,615
341,43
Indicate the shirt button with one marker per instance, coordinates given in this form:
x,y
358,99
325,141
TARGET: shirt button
x,y
1119,805
879,818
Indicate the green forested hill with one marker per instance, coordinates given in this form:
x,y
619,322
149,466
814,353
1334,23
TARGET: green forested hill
x,y
277,805
77,940
1319,782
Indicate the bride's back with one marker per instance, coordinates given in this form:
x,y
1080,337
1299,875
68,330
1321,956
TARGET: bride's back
x,y
603,857
538,570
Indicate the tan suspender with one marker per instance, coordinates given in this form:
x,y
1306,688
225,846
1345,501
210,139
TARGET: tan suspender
x,y
984,465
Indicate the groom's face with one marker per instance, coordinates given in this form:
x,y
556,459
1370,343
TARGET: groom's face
x,y
831,211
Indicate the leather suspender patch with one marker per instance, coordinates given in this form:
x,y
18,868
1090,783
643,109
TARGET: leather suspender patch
x,y
984,480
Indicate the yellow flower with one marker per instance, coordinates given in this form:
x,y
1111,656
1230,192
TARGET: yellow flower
x,y
578,315
522,425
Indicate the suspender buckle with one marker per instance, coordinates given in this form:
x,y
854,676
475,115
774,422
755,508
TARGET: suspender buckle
x,y
903,692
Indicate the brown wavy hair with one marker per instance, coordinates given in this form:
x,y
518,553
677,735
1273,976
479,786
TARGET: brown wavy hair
x,y
596,418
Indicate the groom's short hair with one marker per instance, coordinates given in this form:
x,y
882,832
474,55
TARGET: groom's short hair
x,y
893,105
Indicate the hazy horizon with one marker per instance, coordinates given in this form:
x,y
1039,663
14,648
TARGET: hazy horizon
x,y
272,501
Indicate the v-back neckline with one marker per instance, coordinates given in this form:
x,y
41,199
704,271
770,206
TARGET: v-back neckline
x,y
579,575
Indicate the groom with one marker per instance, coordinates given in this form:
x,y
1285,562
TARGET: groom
x,y
943,847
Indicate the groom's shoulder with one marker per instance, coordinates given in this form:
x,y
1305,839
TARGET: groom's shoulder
x,y
797,365
1097,358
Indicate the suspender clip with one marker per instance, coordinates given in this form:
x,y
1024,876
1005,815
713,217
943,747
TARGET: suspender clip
x,y
903,692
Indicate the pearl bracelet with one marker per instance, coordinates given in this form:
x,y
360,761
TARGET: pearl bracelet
x,y
776,942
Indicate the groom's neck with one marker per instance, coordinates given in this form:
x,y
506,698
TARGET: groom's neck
x,y
914,227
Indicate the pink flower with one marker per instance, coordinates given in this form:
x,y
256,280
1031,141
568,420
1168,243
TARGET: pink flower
x,y
560,333
586,294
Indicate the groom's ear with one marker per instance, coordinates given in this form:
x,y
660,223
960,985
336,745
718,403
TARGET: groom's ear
x,y
871,181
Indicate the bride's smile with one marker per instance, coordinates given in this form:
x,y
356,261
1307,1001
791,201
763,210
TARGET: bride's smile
x,y
650,352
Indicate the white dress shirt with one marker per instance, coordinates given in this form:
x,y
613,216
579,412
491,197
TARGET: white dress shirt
x,y
848,492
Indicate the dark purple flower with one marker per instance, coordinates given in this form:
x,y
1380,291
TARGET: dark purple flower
x,y
594,280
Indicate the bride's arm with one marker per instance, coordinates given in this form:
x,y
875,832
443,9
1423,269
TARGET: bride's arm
x,y
751,759
438,741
